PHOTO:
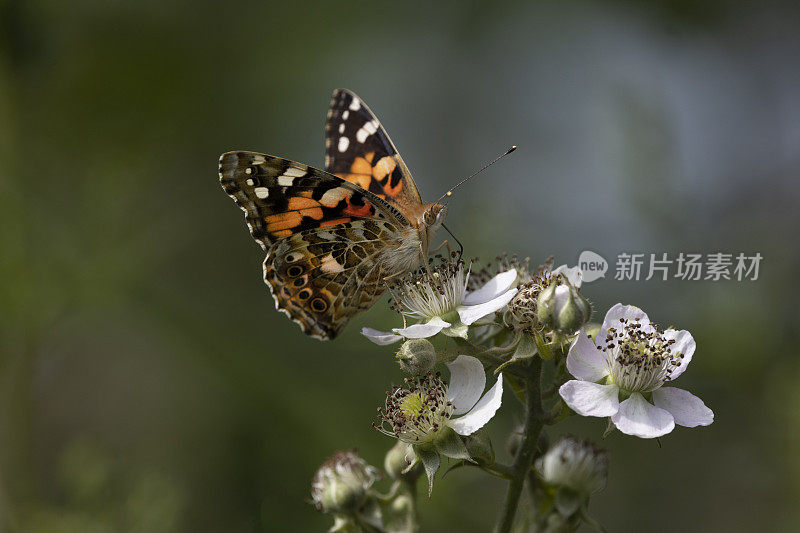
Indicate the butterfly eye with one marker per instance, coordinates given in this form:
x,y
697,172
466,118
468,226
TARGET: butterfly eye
x,y
430,217
319,305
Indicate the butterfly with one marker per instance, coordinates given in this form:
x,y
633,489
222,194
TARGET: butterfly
x,y
334,238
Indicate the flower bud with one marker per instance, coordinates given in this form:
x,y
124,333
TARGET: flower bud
x,y
562,308
416,356
341,483
398,459
575,465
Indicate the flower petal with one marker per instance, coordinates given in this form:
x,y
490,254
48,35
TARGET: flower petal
x,y
687,409
381,338
493,288
628,312
638,417
584,360
467,381
590,399
483,411
574,275
422,331
471,313
684,343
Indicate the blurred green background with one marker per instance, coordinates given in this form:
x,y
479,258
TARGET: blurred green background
x,y
146,381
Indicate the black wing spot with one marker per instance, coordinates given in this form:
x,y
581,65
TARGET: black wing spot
x,y
319,305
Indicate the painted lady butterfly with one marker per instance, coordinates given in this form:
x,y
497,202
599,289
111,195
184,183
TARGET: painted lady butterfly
x,y
333,238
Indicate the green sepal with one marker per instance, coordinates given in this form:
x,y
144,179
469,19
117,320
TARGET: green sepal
x,y
479,446
525,349
610,428
568,501
590,521
345,524
450,445
454,466
431,461
457,329
541,347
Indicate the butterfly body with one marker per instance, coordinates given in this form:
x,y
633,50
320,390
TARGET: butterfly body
x,y
333,238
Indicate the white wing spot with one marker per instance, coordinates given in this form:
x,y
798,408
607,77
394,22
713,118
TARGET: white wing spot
x,y
344,142
285,181
366,130
341,127
248,170
330,265
293,172
345,115
355,105
250,182
261,192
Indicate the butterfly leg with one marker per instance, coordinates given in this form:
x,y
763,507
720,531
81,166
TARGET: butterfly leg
x,y
444,244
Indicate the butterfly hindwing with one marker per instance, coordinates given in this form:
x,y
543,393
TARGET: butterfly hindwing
x,y
282,197
322,277
357,149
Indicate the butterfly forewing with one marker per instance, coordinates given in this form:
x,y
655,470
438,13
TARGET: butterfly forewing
x,y
358,149
281,197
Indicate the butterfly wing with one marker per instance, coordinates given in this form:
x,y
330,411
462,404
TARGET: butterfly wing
x,y
326,238
358,150
281,197
321,278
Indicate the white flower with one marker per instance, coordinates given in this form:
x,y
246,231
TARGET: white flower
x,y
418,414
632,360
440,301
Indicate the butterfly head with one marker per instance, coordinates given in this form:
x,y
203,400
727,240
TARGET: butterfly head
x,y
432,219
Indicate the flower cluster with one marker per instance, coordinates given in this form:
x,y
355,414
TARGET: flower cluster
x,y
529,328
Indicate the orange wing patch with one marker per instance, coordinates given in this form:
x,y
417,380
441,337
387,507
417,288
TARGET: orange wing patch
x,y
381,177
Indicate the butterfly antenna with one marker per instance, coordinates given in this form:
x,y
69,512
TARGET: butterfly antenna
x,y
450,192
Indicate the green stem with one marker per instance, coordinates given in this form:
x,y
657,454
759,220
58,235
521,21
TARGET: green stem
x,y
534,420
411,490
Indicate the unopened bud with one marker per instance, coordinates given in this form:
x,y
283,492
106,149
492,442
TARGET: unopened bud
x,y
562,308
341,483
397,461
576,465
417,356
